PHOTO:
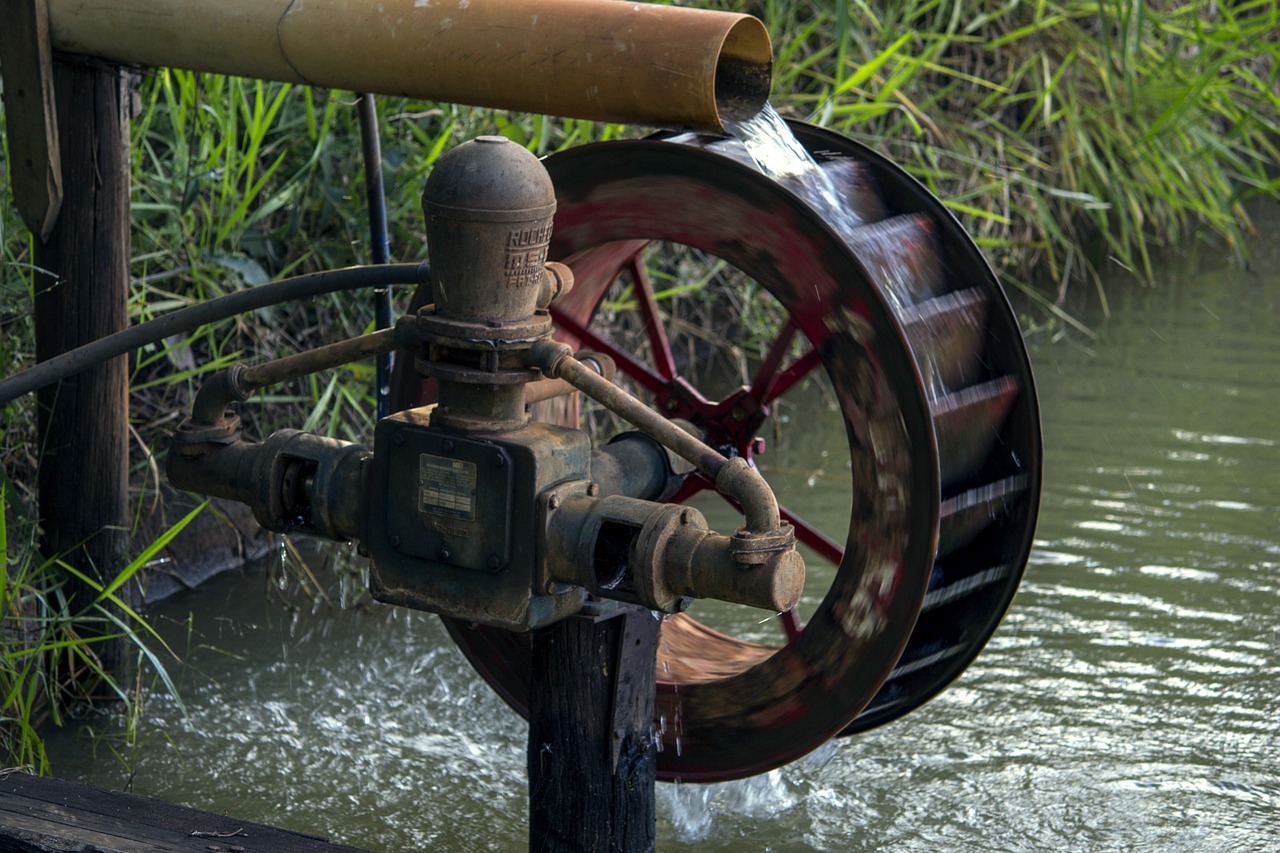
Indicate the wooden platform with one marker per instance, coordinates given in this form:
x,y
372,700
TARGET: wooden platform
x,y
43,815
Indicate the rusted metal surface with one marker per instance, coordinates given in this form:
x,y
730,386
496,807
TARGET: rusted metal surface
x,y
489,205
733,477
238,382
323,358
639,63
452,541
294,482
660,555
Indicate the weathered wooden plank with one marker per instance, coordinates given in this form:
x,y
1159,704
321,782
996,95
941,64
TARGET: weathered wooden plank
x,y
35,169
44,815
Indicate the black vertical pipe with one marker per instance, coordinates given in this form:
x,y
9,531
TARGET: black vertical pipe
x,y
378,238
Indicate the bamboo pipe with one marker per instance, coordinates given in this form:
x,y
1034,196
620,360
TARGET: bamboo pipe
x,y
605,60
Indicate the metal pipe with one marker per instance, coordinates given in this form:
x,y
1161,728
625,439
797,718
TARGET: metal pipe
x,y
733,477
547,389
603,60
379,241
294,482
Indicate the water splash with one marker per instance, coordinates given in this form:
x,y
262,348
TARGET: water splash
x,y
694,810
779,155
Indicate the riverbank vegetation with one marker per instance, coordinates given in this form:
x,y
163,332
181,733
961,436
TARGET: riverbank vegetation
x,y
49,660
1072,137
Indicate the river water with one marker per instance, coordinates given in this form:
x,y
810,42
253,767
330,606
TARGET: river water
x,y
1130,700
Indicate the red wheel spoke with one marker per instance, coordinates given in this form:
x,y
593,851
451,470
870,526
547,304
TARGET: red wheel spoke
x,y
626,362
692,485
659,347
767,374
791,624
813,537
787,379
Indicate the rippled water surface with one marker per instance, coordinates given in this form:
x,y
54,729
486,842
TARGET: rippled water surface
x,y
1130,700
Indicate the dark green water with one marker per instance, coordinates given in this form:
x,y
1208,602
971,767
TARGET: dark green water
x,y
1129,701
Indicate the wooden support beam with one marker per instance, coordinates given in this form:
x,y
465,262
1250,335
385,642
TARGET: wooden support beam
x,y
35,169
81,294
592,753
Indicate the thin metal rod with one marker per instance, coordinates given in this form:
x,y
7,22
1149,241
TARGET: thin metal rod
x,y
627,363
379,241
734,477
237,382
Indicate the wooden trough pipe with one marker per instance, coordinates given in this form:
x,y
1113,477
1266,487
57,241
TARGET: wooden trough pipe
x,y
605,60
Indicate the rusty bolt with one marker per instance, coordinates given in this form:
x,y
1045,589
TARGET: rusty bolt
x,y
738,414
550,588
445,555
671,405
553,501
593,489
686,516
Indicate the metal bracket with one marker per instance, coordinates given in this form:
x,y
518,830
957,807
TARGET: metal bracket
x,y
35,166
634,670
631,670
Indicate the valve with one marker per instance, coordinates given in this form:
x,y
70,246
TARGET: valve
x,y
468,508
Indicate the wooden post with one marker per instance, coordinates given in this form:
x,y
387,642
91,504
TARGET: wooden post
x,y
81,294
592,754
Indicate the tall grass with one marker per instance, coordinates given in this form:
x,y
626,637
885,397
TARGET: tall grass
x,y
48,642
1073,137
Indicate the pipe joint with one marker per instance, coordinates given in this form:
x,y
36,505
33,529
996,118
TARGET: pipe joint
x,y
557,280
550,357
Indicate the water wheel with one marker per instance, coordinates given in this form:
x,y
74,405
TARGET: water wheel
x,y
931,382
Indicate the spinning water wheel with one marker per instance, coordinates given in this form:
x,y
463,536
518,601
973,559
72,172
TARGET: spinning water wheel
x,y
935,392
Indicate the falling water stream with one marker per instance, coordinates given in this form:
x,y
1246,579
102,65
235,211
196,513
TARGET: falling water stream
x,y
1130,699
776,152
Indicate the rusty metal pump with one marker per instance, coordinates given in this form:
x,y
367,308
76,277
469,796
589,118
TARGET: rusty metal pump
x,y
467,507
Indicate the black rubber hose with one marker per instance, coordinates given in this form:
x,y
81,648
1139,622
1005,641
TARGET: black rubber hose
x,y
185,319
380,242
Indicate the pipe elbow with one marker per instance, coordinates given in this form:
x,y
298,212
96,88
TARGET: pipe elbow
x,y
737,479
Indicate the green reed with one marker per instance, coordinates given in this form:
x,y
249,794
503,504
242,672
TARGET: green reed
x,y
49,643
